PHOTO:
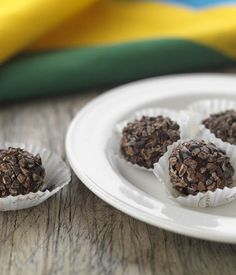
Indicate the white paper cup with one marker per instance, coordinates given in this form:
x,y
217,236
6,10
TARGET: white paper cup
x,y
202,199
57,175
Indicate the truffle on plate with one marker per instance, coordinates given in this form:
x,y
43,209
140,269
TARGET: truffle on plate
x,y
20,172
222,125
198,166
145,140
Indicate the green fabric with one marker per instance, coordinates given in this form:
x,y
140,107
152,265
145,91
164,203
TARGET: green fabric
x,y
86,68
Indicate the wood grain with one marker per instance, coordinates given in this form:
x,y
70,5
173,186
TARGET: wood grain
x,y
74,232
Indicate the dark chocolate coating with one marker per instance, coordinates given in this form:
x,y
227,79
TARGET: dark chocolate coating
x,y
222,125
198,166
144,141
20,172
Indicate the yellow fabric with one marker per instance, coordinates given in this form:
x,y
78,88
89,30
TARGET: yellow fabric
x,y
23,21
35,25
117,21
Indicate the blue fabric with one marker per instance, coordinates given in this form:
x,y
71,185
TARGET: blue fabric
x,y
201,3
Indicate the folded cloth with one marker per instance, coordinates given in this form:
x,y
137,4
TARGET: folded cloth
x,y
23,21
108,42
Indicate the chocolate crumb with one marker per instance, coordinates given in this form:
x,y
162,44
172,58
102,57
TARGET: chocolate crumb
x,y
144,141
20,172
222,125
207,168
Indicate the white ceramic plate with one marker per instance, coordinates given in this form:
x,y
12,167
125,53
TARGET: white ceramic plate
x,y
137,193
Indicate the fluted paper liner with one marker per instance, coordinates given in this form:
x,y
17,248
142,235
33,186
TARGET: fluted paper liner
x,y
203,109
57,175
181,117
202,199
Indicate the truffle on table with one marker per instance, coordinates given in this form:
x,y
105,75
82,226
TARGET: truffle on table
x,y
144,141
198,166
20,172
222,125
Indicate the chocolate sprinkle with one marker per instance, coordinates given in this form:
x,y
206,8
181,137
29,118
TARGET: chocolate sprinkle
x,y
198,166
223,125
20,172
144,141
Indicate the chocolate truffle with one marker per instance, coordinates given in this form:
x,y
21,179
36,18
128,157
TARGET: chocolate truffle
x,y
144,141
20,172
223,125
198,166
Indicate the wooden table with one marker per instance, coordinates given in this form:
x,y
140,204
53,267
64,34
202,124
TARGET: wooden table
x,y
74,232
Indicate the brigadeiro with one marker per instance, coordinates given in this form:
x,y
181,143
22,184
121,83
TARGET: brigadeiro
x,y
145,140
20,172
223,125
198,166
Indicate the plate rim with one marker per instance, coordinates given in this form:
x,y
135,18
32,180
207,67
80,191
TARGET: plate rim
x,y
116,202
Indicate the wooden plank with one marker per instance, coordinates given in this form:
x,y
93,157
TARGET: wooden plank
x,y
74,232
